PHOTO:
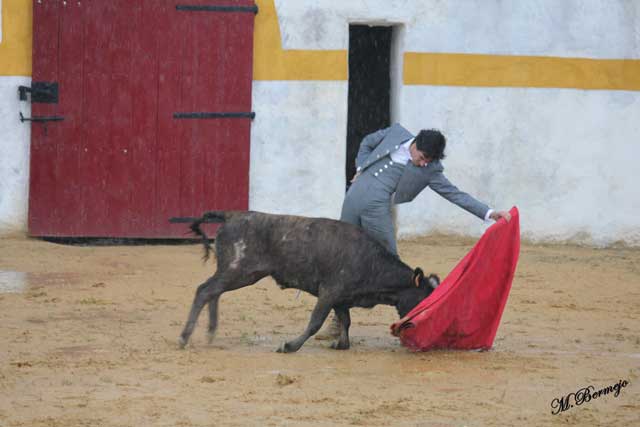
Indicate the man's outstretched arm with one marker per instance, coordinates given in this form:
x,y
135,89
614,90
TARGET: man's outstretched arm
x,y
441,185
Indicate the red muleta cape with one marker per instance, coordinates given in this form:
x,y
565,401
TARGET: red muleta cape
x,y
465,310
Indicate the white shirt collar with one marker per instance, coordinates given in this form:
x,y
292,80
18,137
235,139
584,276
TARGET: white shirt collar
x,y
402,155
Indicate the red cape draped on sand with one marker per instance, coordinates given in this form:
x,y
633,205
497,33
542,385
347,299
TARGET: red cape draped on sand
x,y
465,310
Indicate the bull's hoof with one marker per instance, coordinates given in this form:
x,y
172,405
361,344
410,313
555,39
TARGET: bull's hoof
x,y
210,337
285,348
182,342
337,345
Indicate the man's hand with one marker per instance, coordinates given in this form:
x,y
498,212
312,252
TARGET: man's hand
x,y
500,214
355,176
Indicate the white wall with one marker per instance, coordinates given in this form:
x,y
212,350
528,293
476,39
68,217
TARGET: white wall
x,y
565,28
565,157
14,155
298,147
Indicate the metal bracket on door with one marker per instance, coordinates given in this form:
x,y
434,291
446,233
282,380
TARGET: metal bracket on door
x,y
41,119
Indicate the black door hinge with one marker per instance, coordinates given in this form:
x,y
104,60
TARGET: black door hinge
x,y
206,115
44,92
204,8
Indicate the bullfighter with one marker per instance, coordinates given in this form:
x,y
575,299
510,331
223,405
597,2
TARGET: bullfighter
x,y
392,167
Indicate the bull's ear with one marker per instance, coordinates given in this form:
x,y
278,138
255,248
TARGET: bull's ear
x,y
418,277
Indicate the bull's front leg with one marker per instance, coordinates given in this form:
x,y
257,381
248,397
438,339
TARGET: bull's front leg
x,y
344,319
318,316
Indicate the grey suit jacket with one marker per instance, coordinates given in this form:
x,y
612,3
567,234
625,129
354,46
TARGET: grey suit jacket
x,y
414,179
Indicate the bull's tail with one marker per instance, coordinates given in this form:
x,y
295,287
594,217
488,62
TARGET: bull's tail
x,y
207,217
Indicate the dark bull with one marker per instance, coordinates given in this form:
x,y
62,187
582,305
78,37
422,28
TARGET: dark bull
x,y
336,262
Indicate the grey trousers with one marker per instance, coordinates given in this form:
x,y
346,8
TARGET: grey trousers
x,y
367,204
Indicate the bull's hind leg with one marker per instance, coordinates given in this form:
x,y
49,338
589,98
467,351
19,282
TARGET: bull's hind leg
x,y
209,292
215,297
213,319
318,316
344,319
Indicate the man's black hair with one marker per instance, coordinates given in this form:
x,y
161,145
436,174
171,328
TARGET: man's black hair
x,y
432,143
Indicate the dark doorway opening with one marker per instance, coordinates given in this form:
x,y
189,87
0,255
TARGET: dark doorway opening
x,y
369,86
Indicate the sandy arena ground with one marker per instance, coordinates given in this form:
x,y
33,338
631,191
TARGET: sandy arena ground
x,y
91,340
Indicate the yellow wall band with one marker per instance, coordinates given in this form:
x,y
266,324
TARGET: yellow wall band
x,y
520,71
15,48
271,62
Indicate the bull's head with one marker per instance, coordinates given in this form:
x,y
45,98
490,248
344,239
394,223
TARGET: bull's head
x,y
421,288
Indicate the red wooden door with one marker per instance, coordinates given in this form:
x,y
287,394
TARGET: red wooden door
x,y
155,97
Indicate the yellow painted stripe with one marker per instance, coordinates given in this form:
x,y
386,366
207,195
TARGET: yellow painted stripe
x,y
520,71
271,62
15,48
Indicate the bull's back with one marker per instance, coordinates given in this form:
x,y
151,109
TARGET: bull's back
x,y
316,250
324,240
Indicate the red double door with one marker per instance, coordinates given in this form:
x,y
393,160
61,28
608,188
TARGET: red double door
x,y
152,117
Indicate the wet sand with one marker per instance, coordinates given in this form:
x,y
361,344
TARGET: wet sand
x,y
89,338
